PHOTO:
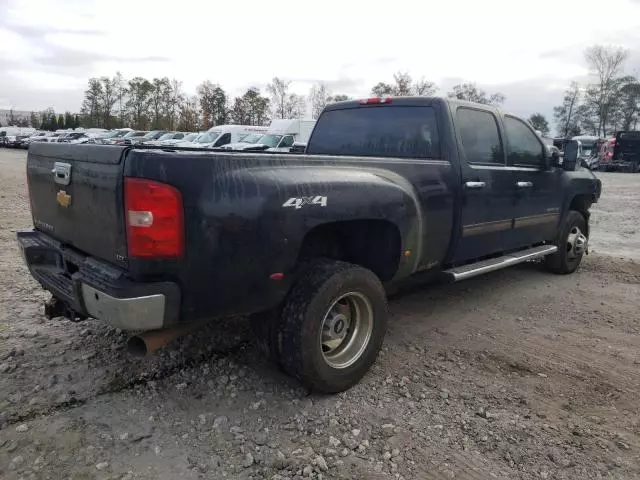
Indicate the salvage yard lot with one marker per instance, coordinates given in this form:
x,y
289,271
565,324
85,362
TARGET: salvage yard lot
x,y
519,374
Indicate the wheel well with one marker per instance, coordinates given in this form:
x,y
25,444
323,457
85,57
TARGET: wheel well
x,y
373,244
581,204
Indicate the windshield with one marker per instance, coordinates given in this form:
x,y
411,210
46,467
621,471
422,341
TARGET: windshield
x,y
270,141
190,137
167,136
251,138
383,131
149,134
588,147
208,137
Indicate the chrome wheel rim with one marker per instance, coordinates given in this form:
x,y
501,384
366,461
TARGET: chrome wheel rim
x,y
576,243
346,330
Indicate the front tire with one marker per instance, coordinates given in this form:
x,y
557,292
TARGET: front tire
x,y
332,325
572,245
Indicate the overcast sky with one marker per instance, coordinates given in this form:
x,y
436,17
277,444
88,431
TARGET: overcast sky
x,y
49,48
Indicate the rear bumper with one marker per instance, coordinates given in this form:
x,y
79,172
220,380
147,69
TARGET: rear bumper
x,y
95,289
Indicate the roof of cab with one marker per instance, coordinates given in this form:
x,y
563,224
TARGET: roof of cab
x,y
409,101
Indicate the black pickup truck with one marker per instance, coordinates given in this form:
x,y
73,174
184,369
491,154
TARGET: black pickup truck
x,y
305,244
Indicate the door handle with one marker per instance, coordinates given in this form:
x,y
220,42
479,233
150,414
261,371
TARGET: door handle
x,y
474,185
524,184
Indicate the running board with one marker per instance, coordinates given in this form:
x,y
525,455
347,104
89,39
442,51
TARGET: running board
x,y
485,266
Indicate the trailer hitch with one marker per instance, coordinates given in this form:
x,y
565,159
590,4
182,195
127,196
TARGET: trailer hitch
x,y
54,308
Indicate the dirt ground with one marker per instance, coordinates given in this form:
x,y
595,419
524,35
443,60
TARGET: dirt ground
x,y
516,375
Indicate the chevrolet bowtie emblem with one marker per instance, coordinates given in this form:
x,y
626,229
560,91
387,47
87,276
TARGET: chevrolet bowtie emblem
x,y
63,199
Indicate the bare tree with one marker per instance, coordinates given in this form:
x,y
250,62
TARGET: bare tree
x,y
471,93
295,106
319,96
159,95
108,98
279,91
566,114
189,116
605,63
404,84
121,93
172,97
423,88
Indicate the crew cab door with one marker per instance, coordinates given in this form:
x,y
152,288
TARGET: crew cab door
x,y
488,186
538,188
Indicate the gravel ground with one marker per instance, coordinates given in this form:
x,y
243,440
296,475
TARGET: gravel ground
x,y
519,375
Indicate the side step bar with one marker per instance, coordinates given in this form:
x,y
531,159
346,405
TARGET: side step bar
x,y
485,266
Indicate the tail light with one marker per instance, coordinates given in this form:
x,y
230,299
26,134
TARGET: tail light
x,y
155,219
375,100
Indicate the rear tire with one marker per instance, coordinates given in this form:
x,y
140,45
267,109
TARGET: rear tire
x,y
572,244
332,325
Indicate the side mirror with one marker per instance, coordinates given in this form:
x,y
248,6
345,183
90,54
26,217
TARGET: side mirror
x,y
555,157
570,155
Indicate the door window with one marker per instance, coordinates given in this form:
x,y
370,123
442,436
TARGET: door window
x,y
287,141
525,149
223,140
480,136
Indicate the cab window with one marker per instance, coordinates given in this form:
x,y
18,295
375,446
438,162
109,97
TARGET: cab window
x,y
480,136
524,147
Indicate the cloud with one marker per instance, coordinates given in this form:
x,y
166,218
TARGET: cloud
x,y
50,49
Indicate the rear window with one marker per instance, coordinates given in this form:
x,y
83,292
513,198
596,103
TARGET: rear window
x,y
389,131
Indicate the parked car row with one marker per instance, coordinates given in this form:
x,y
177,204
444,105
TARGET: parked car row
x,y
18,137
279,136
620,152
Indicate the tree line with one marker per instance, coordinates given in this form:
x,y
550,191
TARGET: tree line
x,y
609,102
46,120
161,103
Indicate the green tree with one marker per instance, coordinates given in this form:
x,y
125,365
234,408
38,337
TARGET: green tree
x,y
34,120
339,98
92,103
257,107
53,123
69,121
139,102
61,123
382,89
539,122
213,104
629,105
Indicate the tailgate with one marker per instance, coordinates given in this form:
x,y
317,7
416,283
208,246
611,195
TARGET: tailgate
x,y
76,197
